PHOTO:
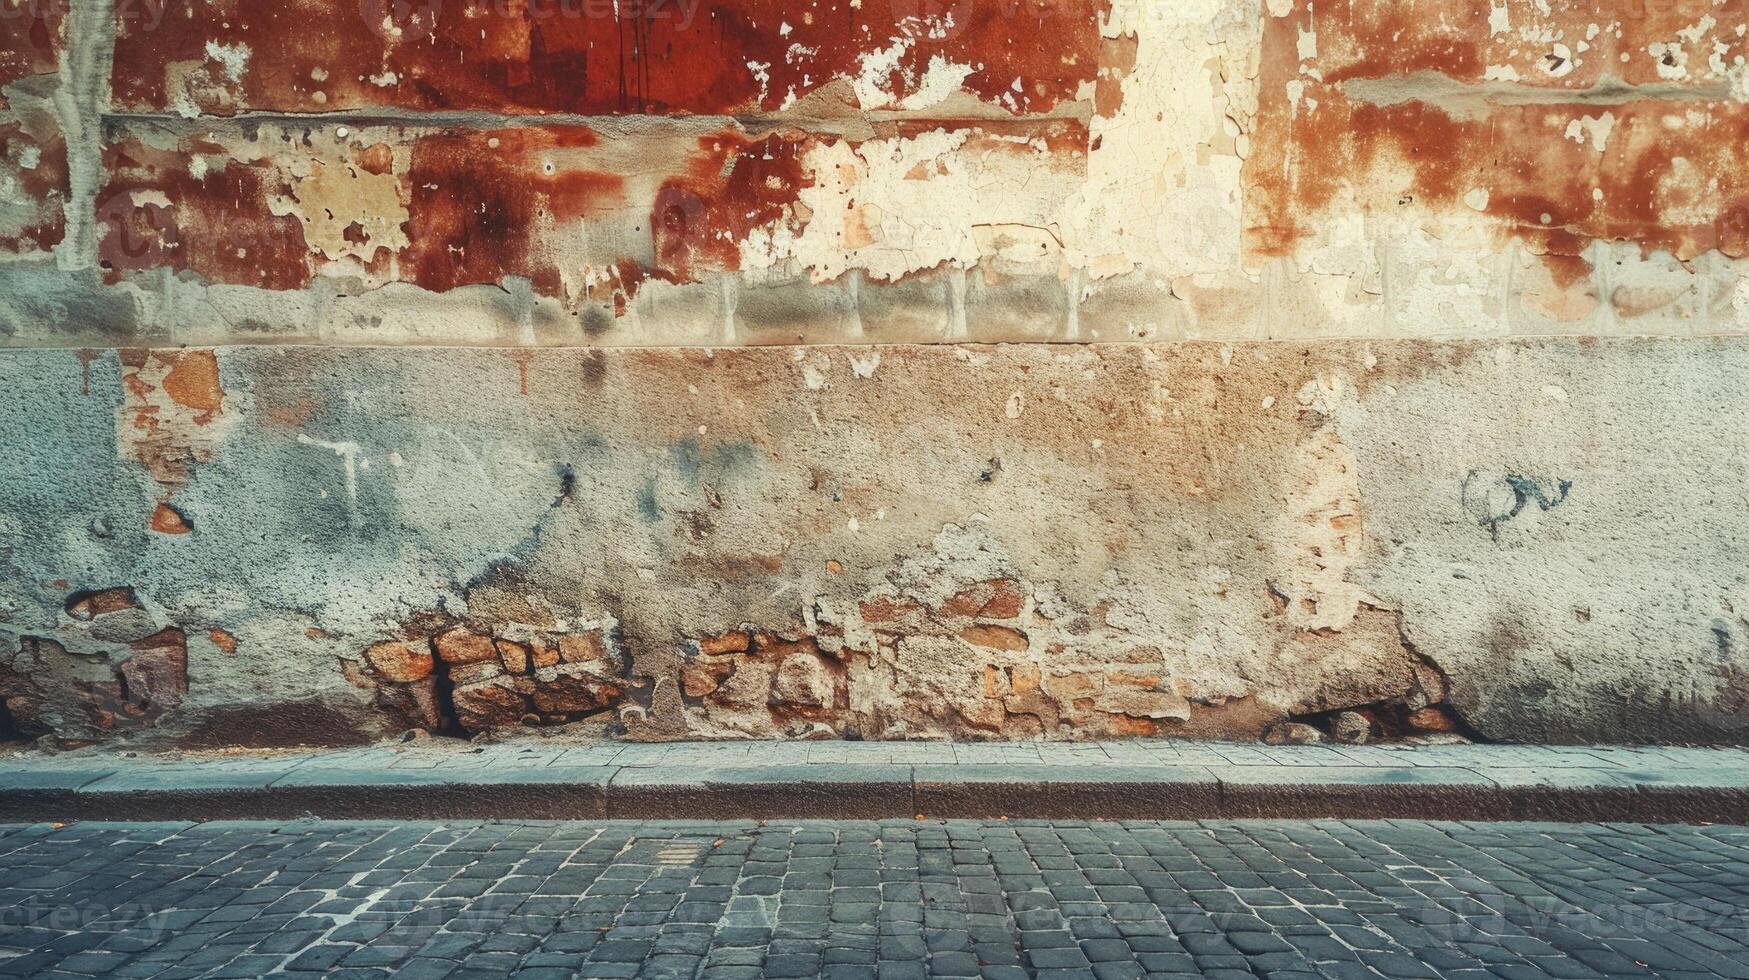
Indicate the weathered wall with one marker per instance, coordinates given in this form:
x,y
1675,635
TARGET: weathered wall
x,y
819,500
729,171
998,542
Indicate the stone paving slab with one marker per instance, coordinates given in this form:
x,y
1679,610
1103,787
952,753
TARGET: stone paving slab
x,y
1108,780
859,900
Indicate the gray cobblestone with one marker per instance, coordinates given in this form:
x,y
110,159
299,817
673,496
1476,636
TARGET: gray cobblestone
x,y
1022,899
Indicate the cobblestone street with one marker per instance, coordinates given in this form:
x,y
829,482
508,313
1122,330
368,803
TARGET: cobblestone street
x,y
894,899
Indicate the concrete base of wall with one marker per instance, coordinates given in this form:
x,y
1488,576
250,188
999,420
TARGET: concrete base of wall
x,y
1526,540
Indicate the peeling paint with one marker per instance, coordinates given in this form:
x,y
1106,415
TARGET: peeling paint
x,y
710,57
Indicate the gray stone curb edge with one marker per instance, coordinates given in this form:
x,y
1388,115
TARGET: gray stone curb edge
x,y
867,791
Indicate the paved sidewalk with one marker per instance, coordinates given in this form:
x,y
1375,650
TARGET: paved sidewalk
x,y
898,900
1153,779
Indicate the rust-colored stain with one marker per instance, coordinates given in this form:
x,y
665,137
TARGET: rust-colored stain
x,y
557,205
226,643
170,399
1424,111
194,380
86,356
161,208
634,56
733,186
480,200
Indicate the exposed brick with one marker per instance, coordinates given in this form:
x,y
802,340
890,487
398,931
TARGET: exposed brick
x,y
995,637
726,643
600,57
698,680
514,656
575,693
475,673
1142,703
884,611
461,646
1432,719
995,599
401,661
493,682
166,519
89,605
582,648
483,706
542,654
804,681
157,673
193,382
416,703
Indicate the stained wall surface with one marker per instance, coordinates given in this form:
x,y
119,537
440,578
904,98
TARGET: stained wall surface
x,y
872,368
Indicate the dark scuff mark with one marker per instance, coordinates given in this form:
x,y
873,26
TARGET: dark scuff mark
x,y
594,362
686,458
282,724
567,484
1525,491
648,508
1723,640
529,543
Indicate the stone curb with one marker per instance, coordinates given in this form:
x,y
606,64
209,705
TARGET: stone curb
x,y
868,791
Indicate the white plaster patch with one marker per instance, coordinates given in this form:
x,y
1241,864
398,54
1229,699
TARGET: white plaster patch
x,y
233,58
1596,129
939,79
864,367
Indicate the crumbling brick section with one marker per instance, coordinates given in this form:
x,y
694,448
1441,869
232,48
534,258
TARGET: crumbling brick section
x,y
1421,709
114,670
460,679
976,665
795,684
